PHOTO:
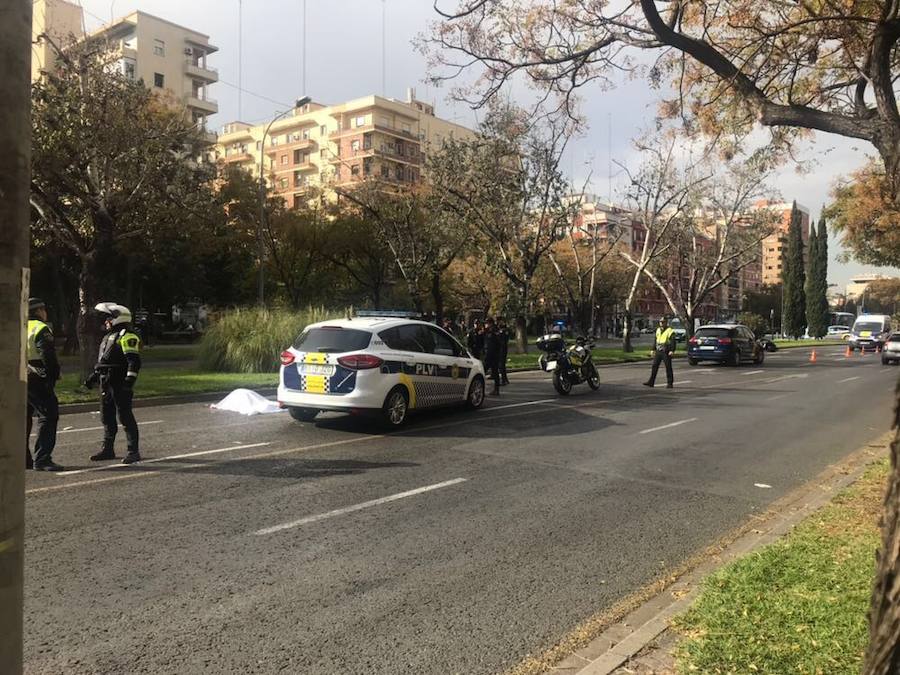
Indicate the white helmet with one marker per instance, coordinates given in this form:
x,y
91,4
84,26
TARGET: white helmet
x,y
117,314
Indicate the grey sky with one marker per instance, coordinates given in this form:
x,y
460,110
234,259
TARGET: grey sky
x,y
344,61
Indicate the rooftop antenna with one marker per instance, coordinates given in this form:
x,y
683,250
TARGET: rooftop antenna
x,y
303,81
383,47
609,157
240,58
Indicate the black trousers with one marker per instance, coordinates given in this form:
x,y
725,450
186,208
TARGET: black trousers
x,y
42,402
492,370
502,367
115,398
662,356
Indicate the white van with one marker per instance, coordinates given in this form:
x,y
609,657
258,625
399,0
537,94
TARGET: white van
x,y
870,331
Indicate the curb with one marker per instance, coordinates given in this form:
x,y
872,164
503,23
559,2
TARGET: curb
x,y
71,408
630,628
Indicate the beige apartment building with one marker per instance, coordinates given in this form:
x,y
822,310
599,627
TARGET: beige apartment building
x,y
337,145
170,59
773,246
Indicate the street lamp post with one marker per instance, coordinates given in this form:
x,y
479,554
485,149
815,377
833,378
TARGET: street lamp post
x,y
260,246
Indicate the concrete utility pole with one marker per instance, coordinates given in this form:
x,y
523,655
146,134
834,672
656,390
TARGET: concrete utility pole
x,y
15,167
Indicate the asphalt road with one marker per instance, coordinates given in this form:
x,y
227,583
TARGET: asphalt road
x,y
260,545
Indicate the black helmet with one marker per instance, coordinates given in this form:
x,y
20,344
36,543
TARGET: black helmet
x,y
36,303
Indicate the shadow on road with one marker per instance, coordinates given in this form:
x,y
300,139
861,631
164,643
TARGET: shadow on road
x,y
275,467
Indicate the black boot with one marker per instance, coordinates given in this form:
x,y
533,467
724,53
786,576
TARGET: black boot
x,y
132,457
105,453
49,465
29,462
496,390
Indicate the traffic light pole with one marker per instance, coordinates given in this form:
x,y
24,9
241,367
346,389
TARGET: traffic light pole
x,y
15,166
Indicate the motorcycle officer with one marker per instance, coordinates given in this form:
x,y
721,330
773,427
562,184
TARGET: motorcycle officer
x,y
43,372
663,349
118,365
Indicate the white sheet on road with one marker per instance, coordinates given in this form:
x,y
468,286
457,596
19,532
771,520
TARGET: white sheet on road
x,y
247,402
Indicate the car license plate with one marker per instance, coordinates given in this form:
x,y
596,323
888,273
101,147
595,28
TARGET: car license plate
x,y
316,369
551,365
709,347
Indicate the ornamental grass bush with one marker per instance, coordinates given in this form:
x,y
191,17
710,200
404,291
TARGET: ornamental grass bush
x,y
251,340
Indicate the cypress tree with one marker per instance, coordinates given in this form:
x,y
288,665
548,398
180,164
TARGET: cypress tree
x,y
822,248
815,322
793,274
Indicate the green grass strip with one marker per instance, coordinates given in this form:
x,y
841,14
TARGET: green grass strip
x,y
798,605
169,382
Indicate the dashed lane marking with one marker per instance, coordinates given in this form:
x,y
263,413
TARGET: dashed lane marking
x,y
848,379
66,486
752,372
357,507
72,431
668,426
168,458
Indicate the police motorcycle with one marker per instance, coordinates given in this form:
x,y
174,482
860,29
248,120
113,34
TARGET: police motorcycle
x,y
569,365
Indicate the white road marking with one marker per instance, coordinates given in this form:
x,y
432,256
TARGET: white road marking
x,y
753,372
165,459
357,507
764,486
519,405
684,382
848,379
66,486
70,430
785,377
668,426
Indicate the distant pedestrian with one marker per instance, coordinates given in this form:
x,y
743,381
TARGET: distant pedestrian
x,y
492,351
117,370
475,340
663,350
503,334
43,372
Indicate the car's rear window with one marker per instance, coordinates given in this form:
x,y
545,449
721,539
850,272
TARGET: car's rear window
x,y
332,339
713,332
894,338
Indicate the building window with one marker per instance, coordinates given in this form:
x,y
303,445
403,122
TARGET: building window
x,y
359,121
337,173
406,128
159,47
258,145
274,140
323,130
287,138
297,156
305,134
354,145
384,121
284,160
159,80
354,170
128,68
282,183
385,171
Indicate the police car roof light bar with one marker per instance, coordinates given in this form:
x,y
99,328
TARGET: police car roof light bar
x,y
387,314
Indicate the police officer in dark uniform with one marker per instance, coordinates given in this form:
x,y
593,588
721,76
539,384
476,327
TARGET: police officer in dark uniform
x,y
43,372
503,335
118,365
663,349
492,352
475,340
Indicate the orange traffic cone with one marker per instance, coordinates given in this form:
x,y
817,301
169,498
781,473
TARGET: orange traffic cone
x,y
848,352
812,357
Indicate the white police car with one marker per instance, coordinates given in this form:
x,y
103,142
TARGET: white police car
x,y
381,365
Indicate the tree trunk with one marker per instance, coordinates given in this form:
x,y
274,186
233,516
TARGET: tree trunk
x,y
883,654
15,162
626,332
87,327
437,295
522,321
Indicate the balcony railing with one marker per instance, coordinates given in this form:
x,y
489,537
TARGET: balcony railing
x,y
204,72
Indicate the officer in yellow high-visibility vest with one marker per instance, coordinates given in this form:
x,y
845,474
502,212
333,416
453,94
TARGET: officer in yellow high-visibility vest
x,y
663,349
43,372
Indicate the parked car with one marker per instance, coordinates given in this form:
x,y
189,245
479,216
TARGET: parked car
x,y
891,351
732,344
842,332
384,366
870,331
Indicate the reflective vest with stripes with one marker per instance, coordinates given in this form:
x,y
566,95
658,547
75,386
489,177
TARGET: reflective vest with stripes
x,y
34,329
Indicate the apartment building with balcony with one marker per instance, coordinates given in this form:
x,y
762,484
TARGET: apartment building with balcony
x,y
330,146
170,59
774,245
